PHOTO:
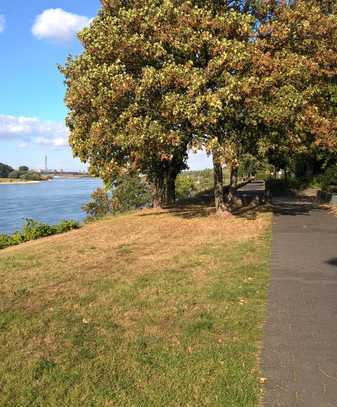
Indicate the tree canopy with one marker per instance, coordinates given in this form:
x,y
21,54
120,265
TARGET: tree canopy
x,y
297,51
5,170
235,77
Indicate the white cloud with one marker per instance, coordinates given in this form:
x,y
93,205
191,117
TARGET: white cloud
x,y
57,24
55,142
30,130
2,23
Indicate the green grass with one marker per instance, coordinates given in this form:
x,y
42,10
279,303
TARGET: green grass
x,y
155,310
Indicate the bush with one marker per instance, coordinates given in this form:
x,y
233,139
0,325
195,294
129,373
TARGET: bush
x,y
185,186
131,193
66,226
329,179
31,176
99,205
14,174
5,241
33,230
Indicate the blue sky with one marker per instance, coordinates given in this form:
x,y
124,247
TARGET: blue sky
x,y
35,36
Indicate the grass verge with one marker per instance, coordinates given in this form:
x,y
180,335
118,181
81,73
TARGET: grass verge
x,y
153,308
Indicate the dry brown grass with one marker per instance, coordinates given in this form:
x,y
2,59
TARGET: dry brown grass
x,y
141,295
141,239
330,208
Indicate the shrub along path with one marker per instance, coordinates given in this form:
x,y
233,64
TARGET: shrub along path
x,y
300,347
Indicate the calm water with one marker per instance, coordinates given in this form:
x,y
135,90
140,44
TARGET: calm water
x,y
48,202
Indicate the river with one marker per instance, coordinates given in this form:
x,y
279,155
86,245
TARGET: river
x,y
48,202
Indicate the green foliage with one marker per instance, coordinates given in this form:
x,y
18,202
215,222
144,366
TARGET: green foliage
x,y
5,241
329,179
163,86
66,226
128,193
33,230
99,205
14,174
131,192
31,176
203,179
297,107
241,77
250,165
5,170
24,174
185,186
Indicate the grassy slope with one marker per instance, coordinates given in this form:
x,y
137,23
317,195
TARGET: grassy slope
x,y
147,309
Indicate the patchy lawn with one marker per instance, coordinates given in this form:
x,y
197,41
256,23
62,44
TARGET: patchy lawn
x,y
147,309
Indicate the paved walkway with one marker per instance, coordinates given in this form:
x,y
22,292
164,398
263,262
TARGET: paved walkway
x,y
299,358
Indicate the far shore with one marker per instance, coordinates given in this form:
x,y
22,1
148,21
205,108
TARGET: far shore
x,y
8,181
4,181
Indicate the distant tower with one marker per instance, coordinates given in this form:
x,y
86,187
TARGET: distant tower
x,y
46,164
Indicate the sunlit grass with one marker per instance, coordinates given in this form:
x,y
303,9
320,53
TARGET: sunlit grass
x,y
148,309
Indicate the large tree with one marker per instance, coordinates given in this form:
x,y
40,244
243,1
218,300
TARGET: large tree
x,y
155,79
236,77
121,93
296,59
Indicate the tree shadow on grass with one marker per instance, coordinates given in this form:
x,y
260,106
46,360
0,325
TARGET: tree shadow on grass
x,y
202,205
277,208
332,262
199,206
290,208
186,212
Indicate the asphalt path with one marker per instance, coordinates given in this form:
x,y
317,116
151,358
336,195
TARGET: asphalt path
x,y
299,357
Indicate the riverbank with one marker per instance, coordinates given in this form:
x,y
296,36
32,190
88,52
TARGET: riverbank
x,y
7,181
150,308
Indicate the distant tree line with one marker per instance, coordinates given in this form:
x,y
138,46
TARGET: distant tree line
x,y
23,172
5,170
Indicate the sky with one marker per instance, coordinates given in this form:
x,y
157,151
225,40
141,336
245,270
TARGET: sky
x,y
35,36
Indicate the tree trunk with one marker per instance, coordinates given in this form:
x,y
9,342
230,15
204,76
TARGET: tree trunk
x,y
286,174
309,170
171,190
220,206
164,190
158,191
234,176
233,182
